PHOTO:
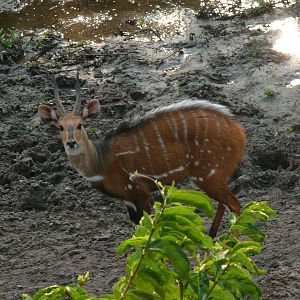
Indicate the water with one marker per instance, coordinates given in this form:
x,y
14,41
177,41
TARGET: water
x,y
81,20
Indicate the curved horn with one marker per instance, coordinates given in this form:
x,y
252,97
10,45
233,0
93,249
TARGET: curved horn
x,y
59,107
77,107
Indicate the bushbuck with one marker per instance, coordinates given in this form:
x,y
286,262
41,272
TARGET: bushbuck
x,y
192,138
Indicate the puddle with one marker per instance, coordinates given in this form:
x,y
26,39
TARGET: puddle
x,y
95,20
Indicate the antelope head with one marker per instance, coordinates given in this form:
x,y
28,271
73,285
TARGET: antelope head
x,y
70,124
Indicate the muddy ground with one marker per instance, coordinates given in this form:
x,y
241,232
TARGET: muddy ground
x,y
53,226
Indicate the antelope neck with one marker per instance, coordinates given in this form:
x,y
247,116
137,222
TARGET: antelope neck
x,y
90,161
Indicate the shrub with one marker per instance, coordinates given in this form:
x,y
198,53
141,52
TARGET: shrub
x,y
172,258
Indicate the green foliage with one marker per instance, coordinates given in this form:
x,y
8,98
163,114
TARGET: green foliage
x,y
73,291
269,92
93,131
172,258
256,50
8,40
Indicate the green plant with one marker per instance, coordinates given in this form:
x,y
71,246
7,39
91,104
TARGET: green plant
x,y
8,40
72,291
93,131
256,51
172,258
269,92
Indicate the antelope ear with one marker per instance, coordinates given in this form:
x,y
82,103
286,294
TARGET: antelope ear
x,y
91,110
47,114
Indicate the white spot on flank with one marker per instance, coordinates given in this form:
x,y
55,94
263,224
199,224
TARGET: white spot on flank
x,y
130,204
217,165
222,157
211,173
196,178
206,140
228,148
187,156
196,163
96,178
208,151
129,186
209,164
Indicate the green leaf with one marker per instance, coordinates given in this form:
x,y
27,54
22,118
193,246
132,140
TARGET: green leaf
x,y
133,259
83,279
248,247
136,294
246,262
193,198
200,239
173,253
149,280
47,291
250,230
131,243
183,211
146,221
261,210
232,218
220,294
237,280
26,297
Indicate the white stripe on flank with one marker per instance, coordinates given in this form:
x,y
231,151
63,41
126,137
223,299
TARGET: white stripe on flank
x,y
137,148
162,145
197,129
179,169
206,131
185,128
96,178
147,149
126,152
173,127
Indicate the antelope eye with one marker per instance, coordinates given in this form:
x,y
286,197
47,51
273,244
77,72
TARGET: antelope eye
x,y
61,128
79,126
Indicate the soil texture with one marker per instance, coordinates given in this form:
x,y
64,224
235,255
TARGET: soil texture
x,y
53,226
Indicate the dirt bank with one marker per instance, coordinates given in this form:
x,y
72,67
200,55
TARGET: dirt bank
x,y
53,226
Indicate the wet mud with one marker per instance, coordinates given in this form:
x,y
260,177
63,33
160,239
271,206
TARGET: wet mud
x,y
53,226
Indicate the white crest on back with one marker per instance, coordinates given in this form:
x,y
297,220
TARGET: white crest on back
x,y
179,106
188,104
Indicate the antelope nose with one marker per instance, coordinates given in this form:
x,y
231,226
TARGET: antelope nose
x,y
71,143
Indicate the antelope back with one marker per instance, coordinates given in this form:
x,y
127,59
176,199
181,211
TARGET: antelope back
x,y
191,138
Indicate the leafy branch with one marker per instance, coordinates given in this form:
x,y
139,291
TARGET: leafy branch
x,y
171,257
